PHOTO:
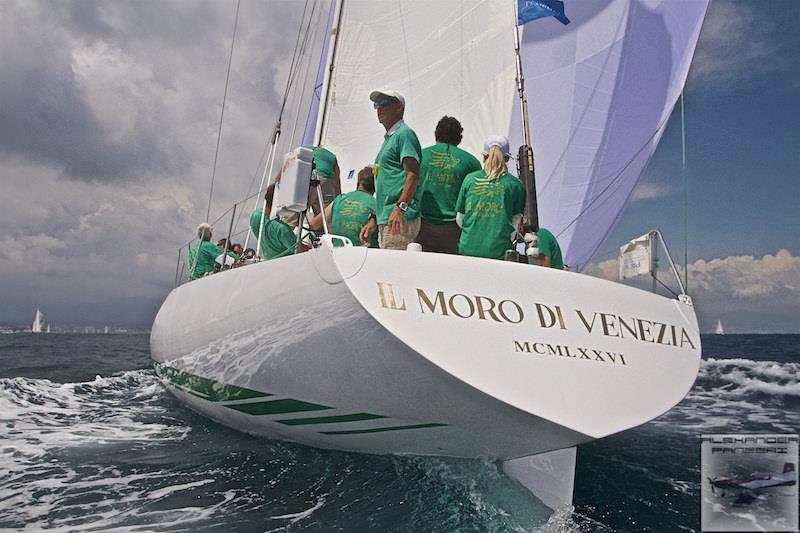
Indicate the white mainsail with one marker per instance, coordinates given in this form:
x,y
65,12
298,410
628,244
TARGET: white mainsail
x,y
600,91
719,330
38,322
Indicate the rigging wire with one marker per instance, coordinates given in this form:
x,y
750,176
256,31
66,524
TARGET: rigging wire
x,y
304,31
685,202
305,78
222,113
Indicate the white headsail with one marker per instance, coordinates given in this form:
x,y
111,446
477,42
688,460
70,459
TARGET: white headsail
x,y
600,91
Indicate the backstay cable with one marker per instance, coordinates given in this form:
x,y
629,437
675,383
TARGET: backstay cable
x,y
685,202
222,113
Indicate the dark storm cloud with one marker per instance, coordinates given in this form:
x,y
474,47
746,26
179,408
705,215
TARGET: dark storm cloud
x,y
46,114
44,118
95,94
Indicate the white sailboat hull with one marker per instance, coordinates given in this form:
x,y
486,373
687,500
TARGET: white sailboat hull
x,y
414,353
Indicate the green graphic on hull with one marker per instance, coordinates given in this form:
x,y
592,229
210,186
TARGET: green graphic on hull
x,y
381,430
277,407
208,389
214,391
357,417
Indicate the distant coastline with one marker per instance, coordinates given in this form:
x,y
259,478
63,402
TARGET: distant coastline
x,y
77,330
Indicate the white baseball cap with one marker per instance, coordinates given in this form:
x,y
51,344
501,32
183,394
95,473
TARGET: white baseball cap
x,y
496,140
387,92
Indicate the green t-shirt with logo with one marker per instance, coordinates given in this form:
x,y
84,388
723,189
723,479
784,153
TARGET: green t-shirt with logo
x,y
350,213
391,176
277,239
488,207
205,258
548,245
442,171
324,161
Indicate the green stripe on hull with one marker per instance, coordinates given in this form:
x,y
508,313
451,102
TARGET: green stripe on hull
x,y
330,419
381,430
205,388
277,407
214,391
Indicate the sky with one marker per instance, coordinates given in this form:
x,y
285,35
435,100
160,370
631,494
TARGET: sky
x,y
109,113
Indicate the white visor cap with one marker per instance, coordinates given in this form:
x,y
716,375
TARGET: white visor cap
x,y
387,92
496,140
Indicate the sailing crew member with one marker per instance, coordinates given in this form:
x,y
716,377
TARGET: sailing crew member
x,y
326,167
397,195
490,204
350,212
549,250
442,172
203,254
277,237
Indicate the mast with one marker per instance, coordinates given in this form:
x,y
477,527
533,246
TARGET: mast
x,y
525,166
326,82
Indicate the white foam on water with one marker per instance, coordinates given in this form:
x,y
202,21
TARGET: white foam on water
x,y
747,376
733,395
568,520
52,434
479,488
296,517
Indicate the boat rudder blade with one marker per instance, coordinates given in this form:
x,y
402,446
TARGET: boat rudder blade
x,y
549,476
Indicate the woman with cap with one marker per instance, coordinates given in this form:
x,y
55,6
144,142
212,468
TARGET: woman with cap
x,y
490,204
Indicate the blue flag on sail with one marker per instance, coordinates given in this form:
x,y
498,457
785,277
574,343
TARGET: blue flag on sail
x,y
528,10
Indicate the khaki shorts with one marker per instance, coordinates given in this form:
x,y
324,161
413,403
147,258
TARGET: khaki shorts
x,y
398,241
441,238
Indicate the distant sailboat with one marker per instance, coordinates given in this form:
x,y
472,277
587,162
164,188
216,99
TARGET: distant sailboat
x,y
719,330
38,322
106,330
48,329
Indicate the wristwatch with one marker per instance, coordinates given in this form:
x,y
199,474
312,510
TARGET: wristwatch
x,y
403,206
373,216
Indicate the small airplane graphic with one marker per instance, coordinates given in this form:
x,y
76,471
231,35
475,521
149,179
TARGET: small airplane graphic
x,y
756,481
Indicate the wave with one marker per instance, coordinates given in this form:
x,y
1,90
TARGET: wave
x,y
743,376
56,440
739,395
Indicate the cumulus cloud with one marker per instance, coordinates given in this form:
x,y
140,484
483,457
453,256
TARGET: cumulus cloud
x,y
749,293
649,191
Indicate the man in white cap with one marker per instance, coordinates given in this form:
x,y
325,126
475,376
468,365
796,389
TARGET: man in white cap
x,y
203,254
397,192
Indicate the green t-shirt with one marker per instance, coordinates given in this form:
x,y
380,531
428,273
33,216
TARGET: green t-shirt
x,y
442,171
324,162
488,207
277,239
391,176
548,245
206,260
350,213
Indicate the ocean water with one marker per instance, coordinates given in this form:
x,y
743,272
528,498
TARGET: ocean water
x,y
91,441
